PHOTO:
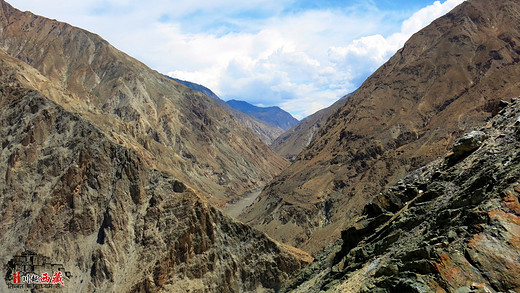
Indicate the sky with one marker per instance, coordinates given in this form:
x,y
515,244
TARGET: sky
x,y
299,55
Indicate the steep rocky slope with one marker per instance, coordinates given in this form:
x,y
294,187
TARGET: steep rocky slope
x,y
296,139
180,131
265,131
272,115
446,79
451,226
76,195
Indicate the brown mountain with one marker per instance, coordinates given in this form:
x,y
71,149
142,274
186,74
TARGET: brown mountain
x,y
178,130
265,131
107,169
273,115
451,226
448,78
74,195
296,139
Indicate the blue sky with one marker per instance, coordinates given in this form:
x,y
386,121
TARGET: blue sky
x,y
299,55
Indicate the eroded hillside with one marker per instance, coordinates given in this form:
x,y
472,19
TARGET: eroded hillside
x,y
448,78
108,172
451,226
79,197
180,131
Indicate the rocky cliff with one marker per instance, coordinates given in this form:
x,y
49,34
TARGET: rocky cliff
x,y
451,226
100,176
182,131
77,197
295,140
447,78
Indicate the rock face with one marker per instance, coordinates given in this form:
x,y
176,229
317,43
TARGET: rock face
x,y
468,143
448,78
265,131
451,226
295,140
74,195
98,174
180,131
272,115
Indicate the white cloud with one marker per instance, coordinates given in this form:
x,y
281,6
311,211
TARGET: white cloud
x,y
364,55
253,50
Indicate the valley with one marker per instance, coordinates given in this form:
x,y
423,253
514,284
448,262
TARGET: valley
x,y
127,180
236,207
447,79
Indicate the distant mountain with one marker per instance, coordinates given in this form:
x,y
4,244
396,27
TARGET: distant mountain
x,y
296,139
198,87
448,78
267,132
271,115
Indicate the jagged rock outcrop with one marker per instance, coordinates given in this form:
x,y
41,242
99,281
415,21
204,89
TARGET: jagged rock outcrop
x,y
468,143
265,131
180,131
448,78
295,140
78,196
451,226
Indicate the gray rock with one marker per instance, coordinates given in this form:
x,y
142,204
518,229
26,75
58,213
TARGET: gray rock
x,y
468,143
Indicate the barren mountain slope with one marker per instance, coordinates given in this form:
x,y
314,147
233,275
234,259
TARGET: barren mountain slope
x,y
265,131
296,139
447,79
178,130
450,226
78,197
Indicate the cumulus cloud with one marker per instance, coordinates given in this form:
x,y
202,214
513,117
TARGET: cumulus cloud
x,y
261,51
364,55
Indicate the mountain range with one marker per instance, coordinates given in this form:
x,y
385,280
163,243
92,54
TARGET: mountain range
x,y
113,170
448,78
264,129
272,115
114,174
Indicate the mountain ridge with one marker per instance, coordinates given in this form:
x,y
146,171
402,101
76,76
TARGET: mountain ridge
x,y
265,131
142,107
447,78
273,115
90,190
